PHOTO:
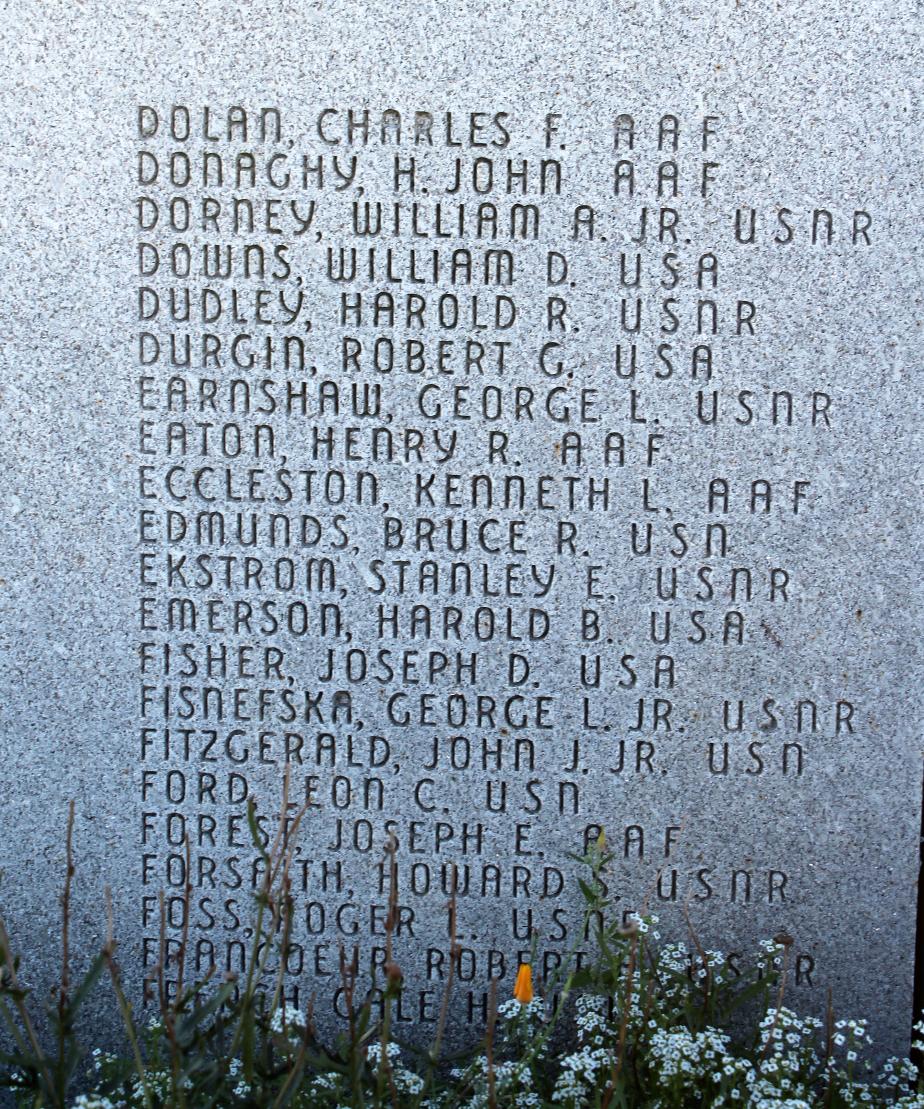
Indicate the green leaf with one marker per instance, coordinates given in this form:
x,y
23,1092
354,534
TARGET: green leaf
x,y
89,980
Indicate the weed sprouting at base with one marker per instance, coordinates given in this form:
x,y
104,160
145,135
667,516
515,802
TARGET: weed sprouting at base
x,y
644,1024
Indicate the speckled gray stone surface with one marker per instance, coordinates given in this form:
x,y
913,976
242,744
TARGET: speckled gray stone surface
x,y
783,111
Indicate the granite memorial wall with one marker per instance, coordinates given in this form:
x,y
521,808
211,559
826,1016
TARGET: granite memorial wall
x,y
505,421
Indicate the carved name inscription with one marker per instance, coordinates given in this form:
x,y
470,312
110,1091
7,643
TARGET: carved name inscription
x,y
474,488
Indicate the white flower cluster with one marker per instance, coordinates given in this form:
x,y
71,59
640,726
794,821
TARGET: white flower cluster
x,y
702,1068
699,1060
512,1085
590,1019
321,1089
290,1019
581,1070
798,1063
675,972
511,1010
769,956
374,1052
674,957
406,1081
580,1075
645,924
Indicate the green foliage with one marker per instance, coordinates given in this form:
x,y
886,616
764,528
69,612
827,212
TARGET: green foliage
x,y
647,1024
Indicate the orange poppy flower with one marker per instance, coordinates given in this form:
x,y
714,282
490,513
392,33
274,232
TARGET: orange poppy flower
x,y
523,987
